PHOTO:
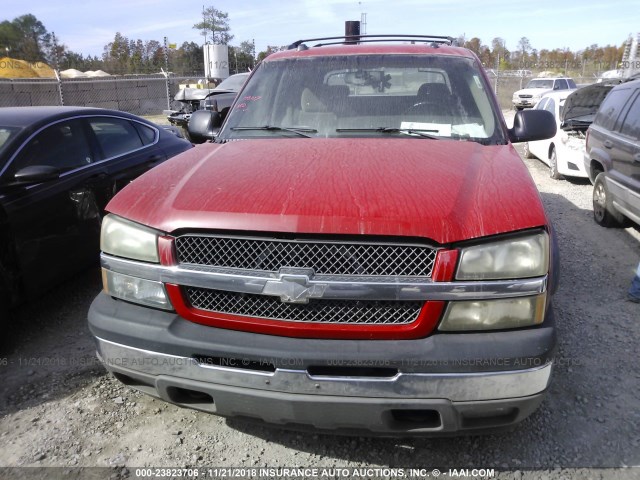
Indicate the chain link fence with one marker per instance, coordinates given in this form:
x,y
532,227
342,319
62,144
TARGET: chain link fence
x,y
151,94
137,94
504,85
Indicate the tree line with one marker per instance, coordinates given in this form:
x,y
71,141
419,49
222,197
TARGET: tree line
x,y
586,62
26,38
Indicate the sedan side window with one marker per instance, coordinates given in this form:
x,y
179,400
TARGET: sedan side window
x,y
551,107
116,136
62,145
541,104
148,135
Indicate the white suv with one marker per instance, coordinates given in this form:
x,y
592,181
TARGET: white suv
x,y
536,88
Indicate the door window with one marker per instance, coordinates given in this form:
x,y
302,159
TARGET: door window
x,y
116,136
631,124
62,145
611,107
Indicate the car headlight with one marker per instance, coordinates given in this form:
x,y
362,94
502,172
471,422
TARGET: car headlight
x,y
520,257
123,238
494,314
134,289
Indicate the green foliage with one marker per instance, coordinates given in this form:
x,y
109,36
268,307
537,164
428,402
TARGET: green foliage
x,y
270,49
591,61
241,58
187,60
215,26
26,38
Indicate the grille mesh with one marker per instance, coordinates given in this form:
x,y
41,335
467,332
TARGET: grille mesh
x,y
318,311
325,258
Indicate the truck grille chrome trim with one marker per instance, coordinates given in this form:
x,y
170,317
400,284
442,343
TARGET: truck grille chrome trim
x,y
325,311
336,288
325,258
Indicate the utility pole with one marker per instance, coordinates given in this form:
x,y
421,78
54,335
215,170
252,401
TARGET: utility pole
x,y
56,68
166,73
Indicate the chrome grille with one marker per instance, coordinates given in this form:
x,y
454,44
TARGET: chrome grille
x,y
325,258
318,311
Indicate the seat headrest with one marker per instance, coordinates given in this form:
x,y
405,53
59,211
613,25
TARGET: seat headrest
x,y
322,98
311,102
431,91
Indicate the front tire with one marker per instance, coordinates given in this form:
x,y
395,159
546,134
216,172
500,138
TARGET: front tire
x,y
604,213
553,165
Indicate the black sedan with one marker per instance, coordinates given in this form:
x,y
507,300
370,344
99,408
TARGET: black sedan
x,y
59,166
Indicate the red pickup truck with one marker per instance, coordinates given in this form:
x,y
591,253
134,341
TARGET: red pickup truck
x,y
359,249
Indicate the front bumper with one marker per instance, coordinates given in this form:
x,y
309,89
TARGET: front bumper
x,y
439,384
525,102
571,158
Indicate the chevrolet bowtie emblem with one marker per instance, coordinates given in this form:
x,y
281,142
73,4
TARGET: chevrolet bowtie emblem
x,y
294,288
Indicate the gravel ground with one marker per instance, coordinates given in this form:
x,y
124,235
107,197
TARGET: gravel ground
x,y
59,408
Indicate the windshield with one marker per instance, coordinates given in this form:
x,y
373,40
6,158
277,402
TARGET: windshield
x,y
424,96
6,135
233,83
540,83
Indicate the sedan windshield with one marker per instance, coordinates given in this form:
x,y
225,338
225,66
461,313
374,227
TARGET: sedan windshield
x,y
398,96
233,83
538,83
6,135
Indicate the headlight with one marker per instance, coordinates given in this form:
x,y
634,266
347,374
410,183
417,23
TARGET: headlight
x,y
521,257
123,238
494,314
134,289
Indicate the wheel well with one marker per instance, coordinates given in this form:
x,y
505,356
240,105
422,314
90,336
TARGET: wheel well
x,y
596,166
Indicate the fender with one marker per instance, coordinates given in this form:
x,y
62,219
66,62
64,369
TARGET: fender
x,y
554,260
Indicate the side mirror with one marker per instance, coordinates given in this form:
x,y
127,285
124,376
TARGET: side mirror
x,y
204,125
36,174
531,125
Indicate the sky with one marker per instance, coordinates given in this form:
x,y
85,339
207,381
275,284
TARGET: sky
x,y
86,27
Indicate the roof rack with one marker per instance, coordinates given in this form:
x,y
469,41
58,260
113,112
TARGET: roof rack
x,y
433,39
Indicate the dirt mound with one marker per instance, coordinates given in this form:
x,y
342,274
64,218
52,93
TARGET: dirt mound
x,y
13,68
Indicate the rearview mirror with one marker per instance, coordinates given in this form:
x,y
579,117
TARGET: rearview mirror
x,y
204,125
531,125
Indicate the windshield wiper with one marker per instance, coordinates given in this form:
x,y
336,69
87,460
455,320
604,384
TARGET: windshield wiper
x,y
405,131
270,128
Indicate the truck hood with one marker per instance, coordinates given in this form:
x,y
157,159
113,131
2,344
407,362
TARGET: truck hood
x,y
442,190
533,91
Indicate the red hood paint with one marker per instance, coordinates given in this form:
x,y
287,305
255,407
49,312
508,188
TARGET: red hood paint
x,y
442,190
